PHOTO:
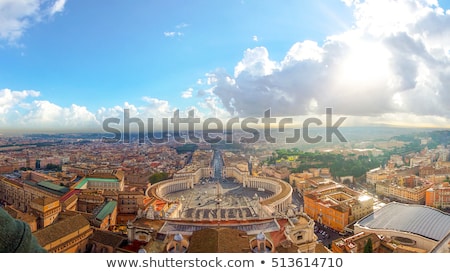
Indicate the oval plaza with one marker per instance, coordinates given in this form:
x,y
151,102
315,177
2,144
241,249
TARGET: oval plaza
x,y
221,199
223,193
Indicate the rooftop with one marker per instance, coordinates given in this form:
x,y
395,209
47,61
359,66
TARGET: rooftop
x,y
43,201
107,209
68,195
219,240
95,179
60,229
418,219
26,217
50,186
107,238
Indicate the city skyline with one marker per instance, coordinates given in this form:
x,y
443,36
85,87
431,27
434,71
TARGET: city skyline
x,y
69,65
152,199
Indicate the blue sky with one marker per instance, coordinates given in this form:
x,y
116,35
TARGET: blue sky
x,y
68,64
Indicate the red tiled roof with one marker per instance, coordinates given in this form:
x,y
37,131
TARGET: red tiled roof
x,y
68,195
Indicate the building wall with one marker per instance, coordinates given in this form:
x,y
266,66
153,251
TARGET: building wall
x,y
421,242
101,248
302,234
328,216
438,197
373,177
336,206
88,202
6,168
403,194
356,243
361,209
118,185
108,221
20,194
13,193
130,202
81,171
234,172
70,243
36,176
143,234
137,179
47,213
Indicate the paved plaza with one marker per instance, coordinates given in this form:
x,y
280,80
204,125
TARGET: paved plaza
x,y
220,199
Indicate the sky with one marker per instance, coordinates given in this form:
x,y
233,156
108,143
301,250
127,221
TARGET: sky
x,y
68,65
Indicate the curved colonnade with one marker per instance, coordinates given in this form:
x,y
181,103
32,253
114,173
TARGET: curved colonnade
x,y
279,201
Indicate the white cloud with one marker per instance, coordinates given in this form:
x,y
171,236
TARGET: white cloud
x,y
182,25
154,105
400,120
212,108
46,116
255,38
187,93
392,67
20,111
350,2
172,33
256,63
58,6
9,98
301,51
396,60
79,117
44,113
210,78
16,16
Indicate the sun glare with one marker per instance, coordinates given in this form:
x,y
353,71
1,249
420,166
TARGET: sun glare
x,y
364,65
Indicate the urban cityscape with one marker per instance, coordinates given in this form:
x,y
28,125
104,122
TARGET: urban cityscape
x,y
79,193
239,126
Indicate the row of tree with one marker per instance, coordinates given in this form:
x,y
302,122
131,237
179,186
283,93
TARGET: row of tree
x,y
338,164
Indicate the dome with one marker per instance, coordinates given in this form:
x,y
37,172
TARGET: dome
x,y
178,237
261,237
142,250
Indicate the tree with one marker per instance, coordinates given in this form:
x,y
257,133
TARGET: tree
x,y
156,177
53,167
368,247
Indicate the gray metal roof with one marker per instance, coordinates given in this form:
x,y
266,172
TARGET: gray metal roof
x,y
418,219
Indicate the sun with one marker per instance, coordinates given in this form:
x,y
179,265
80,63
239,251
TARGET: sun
x,y
365,65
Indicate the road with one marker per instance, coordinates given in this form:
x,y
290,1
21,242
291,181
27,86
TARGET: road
x,y
217,164
297,199
330,235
